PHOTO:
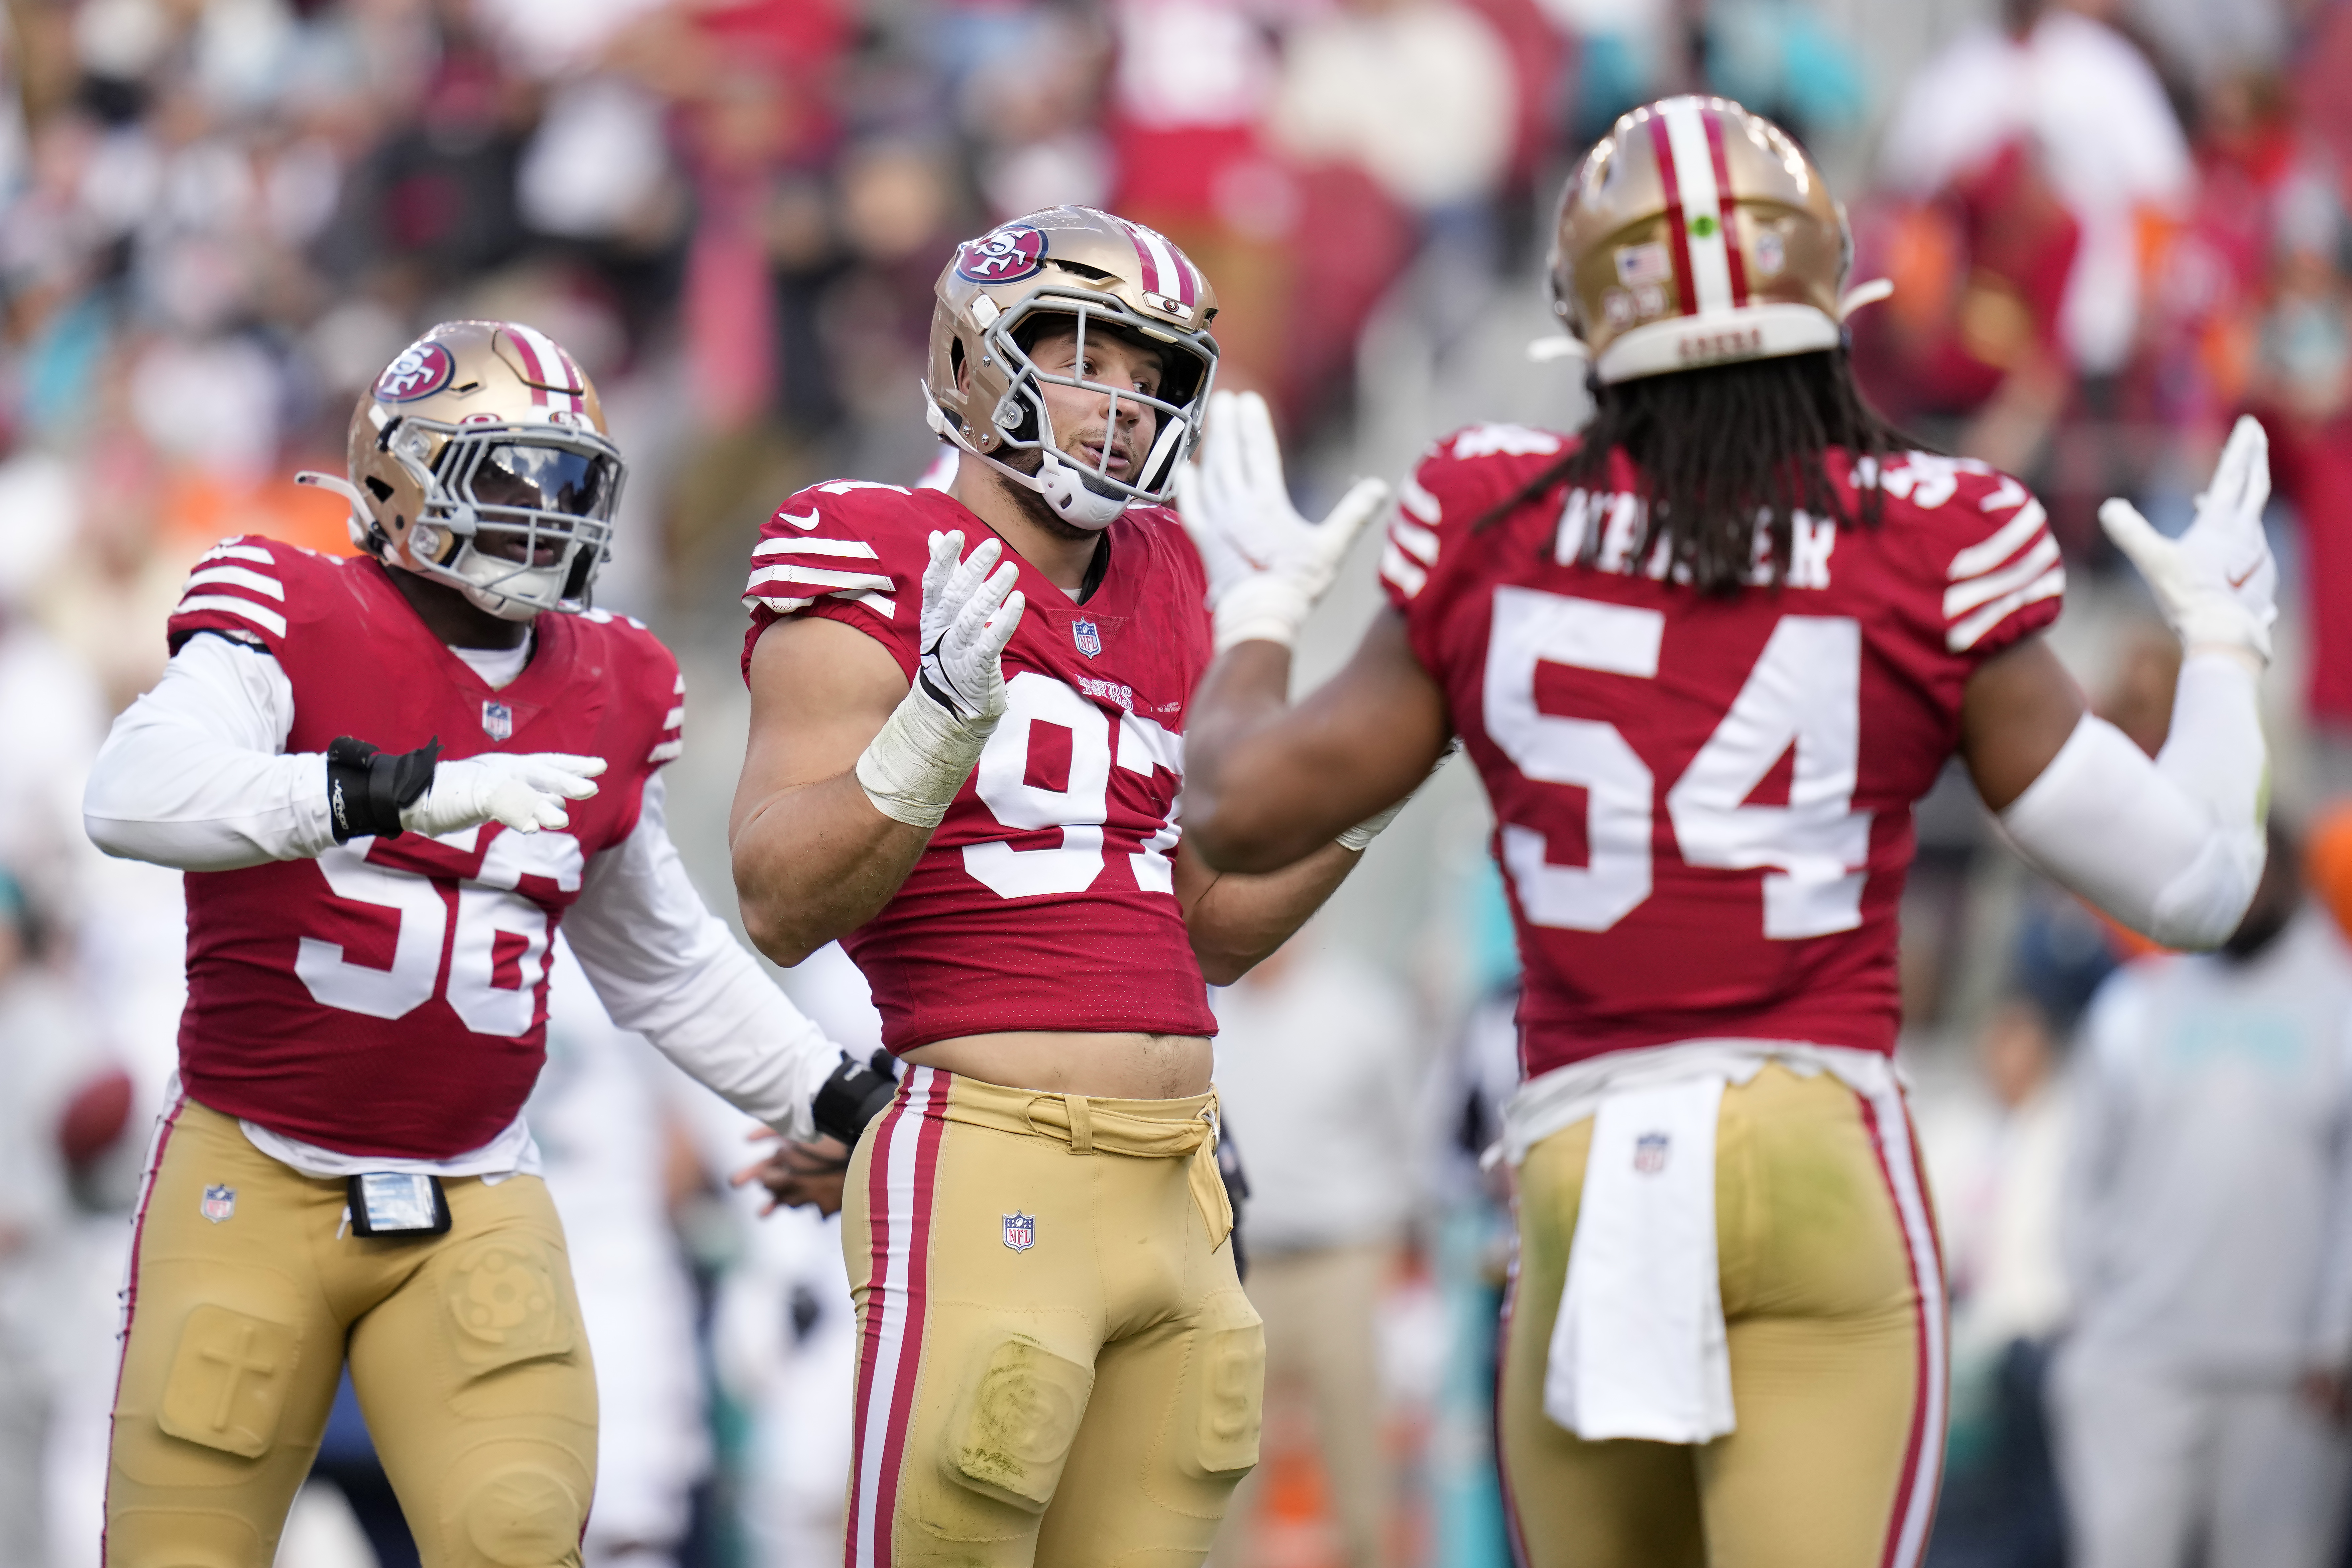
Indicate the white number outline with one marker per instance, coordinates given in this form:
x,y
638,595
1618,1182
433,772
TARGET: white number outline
x,y
1081,808
488,904
1815,849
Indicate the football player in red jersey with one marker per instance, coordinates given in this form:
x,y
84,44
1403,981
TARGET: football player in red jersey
x,y
387,777
1705,657
966,766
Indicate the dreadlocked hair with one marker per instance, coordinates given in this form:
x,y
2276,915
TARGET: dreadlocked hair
x,y
1714,450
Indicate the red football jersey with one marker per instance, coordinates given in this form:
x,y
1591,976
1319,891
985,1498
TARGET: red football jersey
x,y
390,997
1704,804
1046,897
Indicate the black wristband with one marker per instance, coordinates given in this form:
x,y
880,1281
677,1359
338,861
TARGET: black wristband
x,y
368,789
855,1095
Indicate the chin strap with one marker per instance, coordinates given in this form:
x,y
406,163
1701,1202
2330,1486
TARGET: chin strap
x,y
1062,486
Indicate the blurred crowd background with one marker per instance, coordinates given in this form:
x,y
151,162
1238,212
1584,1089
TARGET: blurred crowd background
x,y
2113,226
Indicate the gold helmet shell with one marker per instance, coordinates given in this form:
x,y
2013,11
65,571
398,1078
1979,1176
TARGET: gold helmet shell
x,y
481,458
1695,234
1101,271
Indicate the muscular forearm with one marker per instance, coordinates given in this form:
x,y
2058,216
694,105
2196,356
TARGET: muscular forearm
x,y
1238,920
815,862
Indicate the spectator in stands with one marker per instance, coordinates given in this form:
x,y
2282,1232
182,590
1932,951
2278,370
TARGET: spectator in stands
x,y
1316,1067
2201,1392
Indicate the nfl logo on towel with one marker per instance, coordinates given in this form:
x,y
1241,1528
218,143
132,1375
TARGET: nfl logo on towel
x,y
1020,1231
219,1202
497,721
1649,1153
1087,636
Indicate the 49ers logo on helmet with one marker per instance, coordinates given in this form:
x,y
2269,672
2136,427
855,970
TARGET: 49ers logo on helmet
x,y
1014,251
423,369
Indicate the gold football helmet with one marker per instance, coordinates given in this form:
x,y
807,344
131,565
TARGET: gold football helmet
x,y
479,458
983,390
1694,234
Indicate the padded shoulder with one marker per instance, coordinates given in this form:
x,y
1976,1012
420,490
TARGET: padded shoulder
x,y
1456,482
1984,543
250,588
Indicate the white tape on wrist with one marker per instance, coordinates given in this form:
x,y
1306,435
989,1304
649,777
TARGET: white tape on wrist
x,y
1266,607
916,762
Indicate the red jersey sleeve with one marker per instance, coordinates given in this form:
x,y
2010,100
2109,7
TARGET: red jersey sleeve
x,y
849,550
1459,480
1989,552
236,588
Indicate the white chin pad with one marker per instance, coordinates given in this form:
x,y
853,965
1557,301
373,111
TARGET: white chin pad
x,y
1065,488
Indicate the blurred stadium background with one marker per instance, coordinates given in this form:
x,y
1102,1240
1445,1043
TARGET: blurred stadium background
x,y
2112,227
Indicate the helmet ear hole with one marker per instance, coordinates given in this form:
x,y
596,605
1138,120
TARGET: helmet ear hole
x,y
376,486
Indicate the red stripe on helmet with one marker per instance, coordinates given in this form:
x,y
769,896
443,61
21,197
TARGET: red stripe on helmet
x,y
1724,204
532,372
1678,240
1143,256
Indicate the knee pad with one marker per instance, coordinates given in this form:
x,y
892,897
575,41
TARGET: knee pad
x,y
509,1300
1013,1425
1000,1451
229,1381
1208,1437
1228,1392
524,1513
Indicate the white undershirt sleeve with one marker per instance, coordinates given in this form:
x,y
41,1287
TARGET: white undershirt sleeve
x,y
2173,848
667,967
195,774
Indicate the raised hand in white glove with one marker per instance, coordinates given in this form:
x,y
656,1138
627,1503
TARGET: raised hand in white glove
x,y
1266,564
2216,584
525,792
913,767
969,615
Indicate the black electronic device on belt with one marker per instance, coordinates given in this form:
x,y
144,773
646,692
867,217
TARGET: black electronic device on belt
x,y
396,1204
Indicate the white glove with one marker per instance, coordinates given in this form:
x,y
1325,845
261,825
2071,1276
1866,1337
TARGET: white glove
x,y
2216,584
1361,836
913,767
1266,564
525,792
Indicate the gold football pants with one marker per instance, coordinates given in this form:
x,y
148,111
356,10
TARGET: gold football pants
x,y
247,1291
1832,1295
1056,1365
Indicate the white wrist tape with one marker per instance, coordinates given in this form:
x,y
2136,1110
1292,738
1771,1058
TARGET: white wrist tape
x,y
1361,836
2174,848
1266,607
915,764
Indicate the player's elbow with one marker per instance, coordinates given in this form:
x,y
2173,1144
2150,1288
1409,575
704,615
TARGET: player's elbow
x,y
2203,907
1228,836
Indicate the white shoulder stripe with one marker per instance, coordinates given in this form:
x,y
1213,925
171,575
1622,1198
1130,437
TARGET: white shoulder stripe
x,y
1962,597
260,615
680,686
2011,538
819,577
1414,498
780,606
1970,632
1401,571
237,578
1416,542
668,751
675,716
238,552
852,547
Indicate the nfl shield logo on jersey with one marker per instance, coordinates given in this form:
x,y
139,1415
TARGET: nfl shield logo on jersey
x,y
218,1204
1087,636
1020,1231
1649,1153
497,721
